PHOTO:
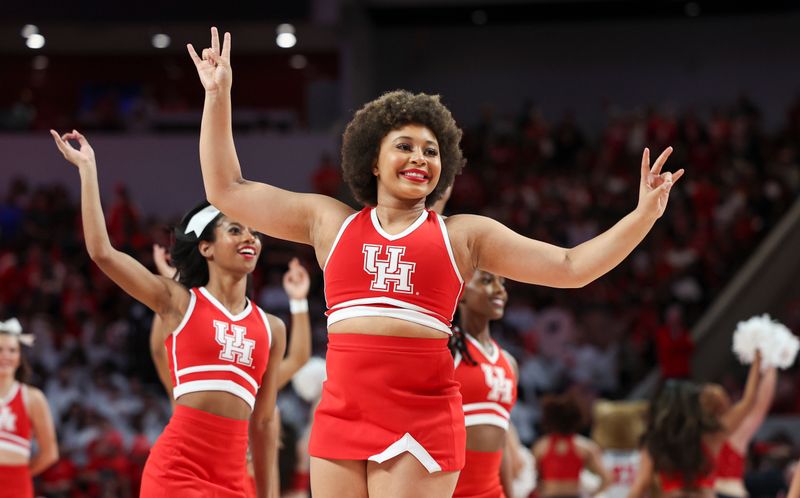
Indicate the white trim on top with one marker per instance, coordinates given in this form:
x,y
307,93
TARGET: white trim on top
x,y
457,359
378,228
220,368
411,445
486,405
446,237
266,324
15,449
486,419
491,357
400,314
338,236
396,303
215,385
14,439
235,318
178,329
10,394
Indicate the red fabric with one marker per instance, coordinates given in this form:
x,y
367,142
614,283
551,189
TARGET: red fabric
x,y
730,463
15,425
209,336
380,388
675,350
17,481
491,383
480,477
558,465
423,276
198,455
674,481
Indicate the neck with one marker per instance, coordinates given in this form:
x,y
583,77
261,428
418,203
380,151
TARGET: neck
x,y
477,326
229,290
6,382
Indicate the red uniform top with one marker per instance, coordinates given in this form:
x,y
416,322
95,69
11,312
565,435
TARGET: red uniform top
x,y
15,425
730,463
560,466
410,276
674,481
488,389
213,350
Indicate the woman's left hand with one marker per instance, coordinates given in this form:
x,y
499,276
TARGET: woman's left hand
x,y
296,281
654,186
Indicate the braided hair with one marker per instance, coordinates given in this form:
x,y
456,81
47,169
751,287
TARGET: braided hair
x,y
458,344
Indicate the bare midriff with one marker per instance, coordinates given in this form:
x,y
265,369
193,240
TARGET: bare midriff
x,y
487,438
379,325
217,403
730,487
11,458
553,487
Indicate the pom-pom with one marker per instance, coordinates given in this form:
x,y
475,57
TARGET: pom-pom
x,y
307,382
776,342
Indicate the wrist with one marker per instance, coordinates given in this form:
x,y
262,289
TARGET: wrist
x,y
297,306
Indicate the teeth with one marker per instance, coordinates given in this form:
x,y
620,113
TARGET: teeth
x,y
248,251
414,174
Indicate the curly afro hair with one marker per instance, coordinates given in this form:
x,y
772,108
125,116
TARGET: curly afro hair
x,y
393,110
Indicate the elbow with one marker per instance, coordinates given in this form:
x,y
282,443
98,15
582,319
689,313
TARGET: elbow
x,y
100,254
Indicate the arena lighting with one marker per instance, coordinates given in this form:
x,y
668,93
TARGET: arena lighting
x,y
28,30
35,41
284,28
479,17
692,9
298,61
286,40
161,40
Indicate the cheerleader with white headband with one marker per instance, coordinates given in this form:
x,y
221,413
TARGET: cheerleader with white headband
x,y
24,415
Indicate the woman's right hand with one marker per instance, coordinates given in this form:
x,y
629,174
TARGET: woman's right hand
x,y
82,157
214,68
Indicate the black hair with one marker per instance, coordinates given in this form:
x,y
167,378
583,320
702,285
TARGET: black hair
x,y
191,266
561,414
458,344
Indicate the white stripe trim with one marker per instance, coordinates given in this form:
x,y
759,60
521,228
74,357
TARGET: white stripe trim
x,y
411,445
215,385
457,359
10,394
338,236
400,314
491,357
446,237
243,314
219,368
15,439
488,405
15,449
186,316
486,419
266,324
397,303
378,228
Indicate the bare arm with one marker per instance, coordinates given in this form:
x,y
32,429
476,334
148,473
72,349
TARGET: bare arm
x,y
735,416
644,477
794,489
594,462
296,283
274,211
507,466
44,430
497,249
157,293
765,392
158,353
262,448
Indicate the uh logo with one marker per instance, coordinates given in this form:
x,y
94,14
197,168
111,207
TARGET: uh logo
x,y
388,270
235,348
8,420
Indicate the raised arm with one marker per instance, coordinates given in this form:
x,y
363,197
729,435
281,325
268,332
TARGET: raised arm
x,y
44,430
296,283
260,444
274,211
499,250
765,393
732,419
158,330
157,293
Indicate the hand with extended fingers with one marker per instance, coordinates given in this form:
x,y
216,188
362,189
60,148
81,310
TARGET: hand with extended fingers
x,y
296,281
654,186
81,157
161,262
214,68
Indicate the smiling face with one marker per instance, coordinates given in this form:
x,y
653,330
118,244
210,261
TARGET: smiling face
x,y
235,247
9,355
408,165
485,295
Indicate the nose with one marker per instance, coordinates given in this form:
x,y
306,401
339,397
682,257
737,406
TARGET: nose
x,y
418,157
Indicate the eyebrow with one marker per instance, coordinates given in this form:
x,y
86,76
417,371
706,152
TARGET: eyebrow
x,y
412,139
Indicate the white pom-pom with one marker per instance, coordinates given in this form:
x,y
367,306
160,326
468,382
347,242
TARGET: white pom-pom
x,y
307,382
776,342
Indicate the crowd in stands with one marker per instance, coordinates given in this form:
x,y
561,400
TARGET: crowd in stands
x,y
547,179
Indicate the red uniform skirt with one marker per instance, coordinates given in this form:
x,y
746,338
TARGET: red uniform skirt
x,y
198,455
388,395
16,481
480,477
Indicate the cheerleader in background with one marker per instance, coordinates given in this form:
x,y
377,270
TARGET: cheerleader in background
x,y
618,427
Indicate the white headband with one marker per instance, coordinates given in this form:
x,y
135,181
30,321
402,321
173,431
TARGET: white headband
x,y
13,327
200,220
